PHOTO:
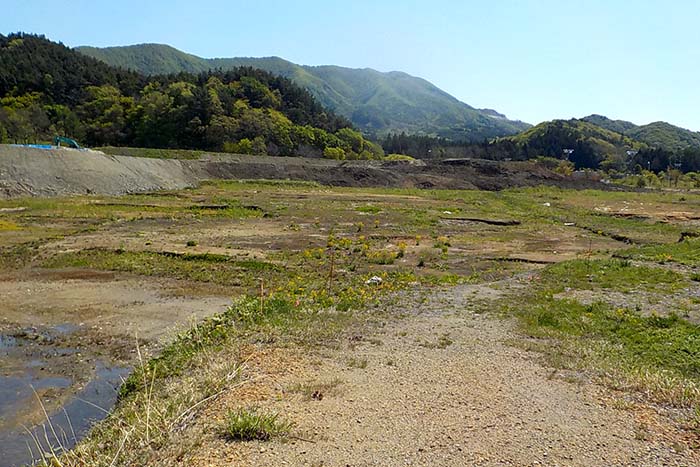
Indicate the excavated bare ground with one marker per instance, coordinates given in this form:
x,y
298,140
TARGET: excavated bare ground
x,y
439,387
37,172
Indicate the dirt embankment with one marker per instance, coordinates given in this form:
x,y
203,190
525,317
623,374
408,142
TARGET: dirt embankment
x,y
40,172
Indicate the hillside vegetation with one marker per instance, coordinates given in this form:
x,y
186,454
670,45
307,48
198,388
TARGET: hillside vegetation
x,y
590,143
377,103
566,144
656,134
47,88
595,146
665,135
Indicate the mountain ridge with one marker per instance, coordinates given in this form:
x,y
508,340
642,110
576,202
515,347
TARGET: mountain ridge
x,y
655,134
376,102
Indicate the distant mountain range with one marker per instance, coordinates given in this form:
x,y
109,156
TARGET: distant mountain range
x,y
377,103
608,137
597,141
569,132
656,134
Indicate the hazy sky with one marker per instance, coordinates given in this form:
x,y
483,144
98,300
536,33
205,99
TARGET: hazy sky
x,y
533,60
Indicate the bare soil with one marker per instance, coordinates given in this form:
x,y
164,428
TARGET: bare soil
x,y
439,385
442,386
38,172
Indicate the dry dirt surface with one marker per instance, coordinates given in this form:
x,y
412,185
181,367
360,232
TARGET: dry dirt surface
x,y
444,386
28,171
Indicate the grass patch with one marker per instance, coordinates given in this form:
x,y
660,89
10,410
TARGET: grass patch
x,y
230,209
303,315
206,267
249,424
381,257
129,207
651,342
614,274
152,152
369,209
17,256
6,225
656,355
686,252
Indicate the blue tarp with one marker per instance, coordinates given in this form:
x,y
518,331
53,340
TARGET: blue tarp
x,y
37,146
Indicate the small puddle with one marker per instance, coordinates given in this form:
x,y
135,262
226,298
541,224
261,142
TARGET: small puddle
x,y
25,371
70,423
16,392
7,342
65,328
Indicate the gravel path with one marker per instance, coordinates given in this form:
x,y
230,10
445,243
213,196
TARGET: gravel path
x,y
442,388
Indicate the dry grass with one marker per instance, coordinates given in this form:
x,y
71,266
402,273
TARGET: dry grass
x,y
150,417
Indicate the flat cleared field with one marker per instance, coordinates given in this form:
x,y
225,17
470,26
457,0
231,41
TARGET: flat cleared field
x,y
384,326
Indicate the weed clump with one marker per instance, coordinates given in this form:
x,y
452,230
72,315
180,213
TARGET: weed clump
x,y
249,424
381,257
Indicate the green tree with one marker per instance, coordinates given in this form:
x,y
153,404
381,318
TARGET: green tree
x,y
334,153
104,114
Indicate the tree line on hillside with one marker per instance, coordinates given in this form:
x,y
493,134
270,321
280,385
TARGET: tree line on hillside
x,y
552,143
48,89
430,147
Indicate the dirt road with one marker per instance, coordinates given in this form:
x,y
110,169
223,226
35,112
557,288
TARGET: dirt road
x,y
442,386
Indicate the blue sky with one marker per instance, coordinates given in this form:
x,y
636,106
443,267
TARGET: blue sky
x,y
533,60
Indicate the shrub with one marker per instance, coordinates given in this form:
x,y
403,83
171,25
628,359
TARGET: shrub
x,y
334,153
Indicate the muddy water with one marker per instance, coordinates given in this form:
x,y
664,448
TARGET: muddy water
x,y
70,334
29,373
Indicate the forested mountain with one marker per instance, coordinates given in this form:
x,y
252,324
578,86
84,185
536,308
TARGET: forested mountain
x,y
591,144
47,88
580,142
618,126
657,134
377,103
597,147
667,136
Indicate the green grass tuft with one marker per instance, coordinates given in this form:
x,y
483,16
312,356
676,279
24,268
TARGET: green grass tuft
x,y
249,424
